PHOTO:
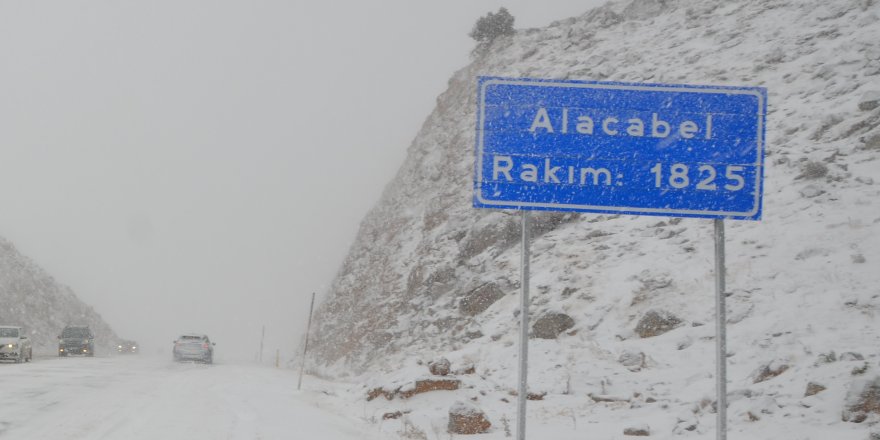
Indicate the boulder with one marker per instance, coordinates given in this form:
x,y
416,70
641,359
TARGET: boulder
x,y
479,299
418,387
641,431
851,356
769,371
428,385
862,400
656,322
633,360
550,325
813,170
439,367
813,388
869,101
465,418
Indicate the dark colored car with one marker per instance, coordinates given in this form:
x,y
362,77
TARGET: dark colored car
x,y
194,347
127,347
76,339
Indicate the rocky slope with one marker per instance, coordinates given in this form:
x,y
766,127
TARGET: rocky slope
x,y
430,276
31,298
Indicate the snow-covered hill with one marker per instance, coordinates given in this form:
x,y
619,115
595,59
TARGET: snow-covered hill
x,y
31,298
430,276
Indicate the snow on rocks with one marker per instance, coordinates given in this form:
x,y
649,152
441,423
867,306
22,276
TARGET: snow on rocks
x,y
479,299
863,400
465,418
550,325
814,388
656,322
870,100
439,367
638,431
769,371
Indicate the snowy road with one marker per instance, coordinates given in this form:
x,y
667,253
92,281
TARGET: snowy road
x,y
142,398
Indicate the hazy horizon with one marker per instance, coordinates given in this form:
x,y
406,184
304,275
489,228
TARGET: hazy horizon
x,y
204,166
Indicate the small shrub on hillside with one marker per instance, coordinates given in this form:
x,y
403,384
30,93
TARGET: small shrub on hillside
x,y
492,26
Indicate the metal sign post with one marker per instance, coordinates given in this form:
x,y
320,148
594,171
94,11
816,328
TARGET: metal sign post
x,y
523,330
720,332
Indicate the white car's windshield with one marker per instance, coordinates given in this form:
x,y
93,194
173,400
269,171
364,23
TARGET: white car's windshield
x,y
8,332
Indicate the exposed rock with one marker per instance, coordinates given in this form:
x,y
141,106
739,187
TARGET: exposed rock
x,y
656,322
467,369
858,371
641,431
418,387
427,385
851,356
465,418
439,367
600,398
535,396
550,325
479,299
813,388
870,141
826,358
811,191
633,360
813,170
769,371
493,230
869,101
862,400
394,415
376,392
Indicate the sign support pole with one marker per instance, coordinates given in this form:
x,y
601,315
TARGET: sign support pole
x,y
720,332
524,330
302,366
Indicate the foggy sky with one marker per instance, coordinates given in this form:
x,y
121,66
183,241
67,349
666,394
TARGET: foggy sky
x,y
203,165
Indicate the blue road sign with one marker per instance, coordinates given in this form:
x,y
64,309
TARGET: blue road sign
x,y
645,149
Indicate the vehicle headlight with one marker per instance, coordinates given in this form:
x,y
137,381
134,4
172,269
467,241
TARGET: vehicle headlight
x,y
12,345
120,346
85,341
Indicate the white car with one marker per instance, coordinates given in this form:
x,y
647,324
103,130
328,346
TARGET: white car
x,y
14,345
194,347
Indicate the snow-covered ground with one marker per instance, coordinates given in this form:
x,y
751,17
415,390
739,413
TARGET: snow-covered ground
x,y
135,397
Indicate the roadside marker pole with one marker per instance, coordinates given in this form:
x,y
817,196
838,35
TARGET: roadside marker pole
x,y
523,330
277,357
262,337
720,331
302,366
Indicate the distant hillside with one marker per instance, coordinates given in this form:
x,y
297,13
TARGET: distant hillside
x,y
428,275
31,298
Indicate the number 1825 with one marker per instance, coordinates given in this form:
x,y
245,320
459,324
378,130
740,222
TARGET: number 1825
x,y
677,176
